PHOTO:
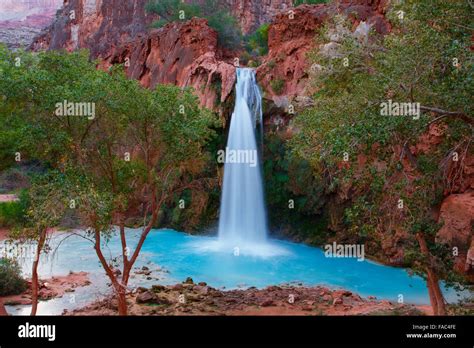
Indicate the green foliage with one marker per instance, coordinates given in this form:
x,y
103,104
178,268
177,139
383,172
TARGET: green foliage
x,y
11,282
277,85
10,214
216,13
164,131
257,43
286,176
13,214
413,64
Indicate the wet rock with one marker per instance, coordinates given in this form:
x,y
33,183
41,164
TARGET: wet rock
x,y
145,297
193,298
216,294
178,287
204,290
141,289
158,288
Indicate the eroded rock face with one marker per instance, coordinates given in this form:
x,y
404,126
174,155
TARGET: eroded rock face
x,y
252,14
183,54
457,214
98,25
186,53
291,37
115,31
22,20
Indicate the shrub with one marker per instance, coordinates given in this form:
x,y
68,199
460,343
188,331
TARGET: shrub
x,y
277,85
217,15
257,43
13,213
10,214
11,282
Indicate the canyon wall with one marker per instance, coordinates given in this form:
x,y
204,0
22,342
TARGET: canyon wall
x,y
22,20
292,36
115,31
187,54
252,14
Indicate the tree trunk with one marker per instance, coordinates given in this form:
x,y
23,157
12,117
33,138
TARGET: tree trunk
x,y
119,289
34,273
433,299
3,311
436,296
441,305
121,286
122,302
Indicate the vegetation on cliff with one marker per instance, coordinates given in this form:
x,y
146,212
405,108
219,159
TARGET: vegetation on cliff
x,y
216,13
365,155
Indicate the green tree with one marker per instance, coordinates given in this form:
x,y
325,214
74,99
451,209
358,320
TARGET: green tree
x,y
142,149
258,41
47,206
426,60
216,12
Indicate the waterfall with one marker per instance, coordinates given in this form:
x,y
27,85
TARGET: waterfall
x,y
243,221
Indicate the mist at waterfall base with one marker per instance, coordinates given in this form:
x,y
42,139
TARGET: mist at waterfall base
x,y
241,255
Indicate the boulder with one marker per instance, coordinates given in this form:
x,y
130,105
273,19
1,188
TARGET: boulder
x,y
204,290
145,297
457,214
158,288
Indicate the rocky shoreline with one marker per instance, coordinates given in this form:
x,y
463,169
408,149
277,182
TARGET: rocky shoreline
x,y
191,299
54,287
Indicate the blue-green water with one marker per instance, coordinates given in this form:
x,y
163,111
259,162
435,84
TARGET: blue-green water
x,y
201,259
174,256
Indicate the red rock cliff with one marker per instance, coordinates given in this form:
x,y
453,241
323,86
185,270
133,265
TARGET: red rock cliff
x,y
115,31
291,37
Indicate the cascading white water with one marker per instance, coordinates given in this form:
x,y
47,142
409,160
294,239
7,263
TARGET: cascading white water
x,y
242,221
